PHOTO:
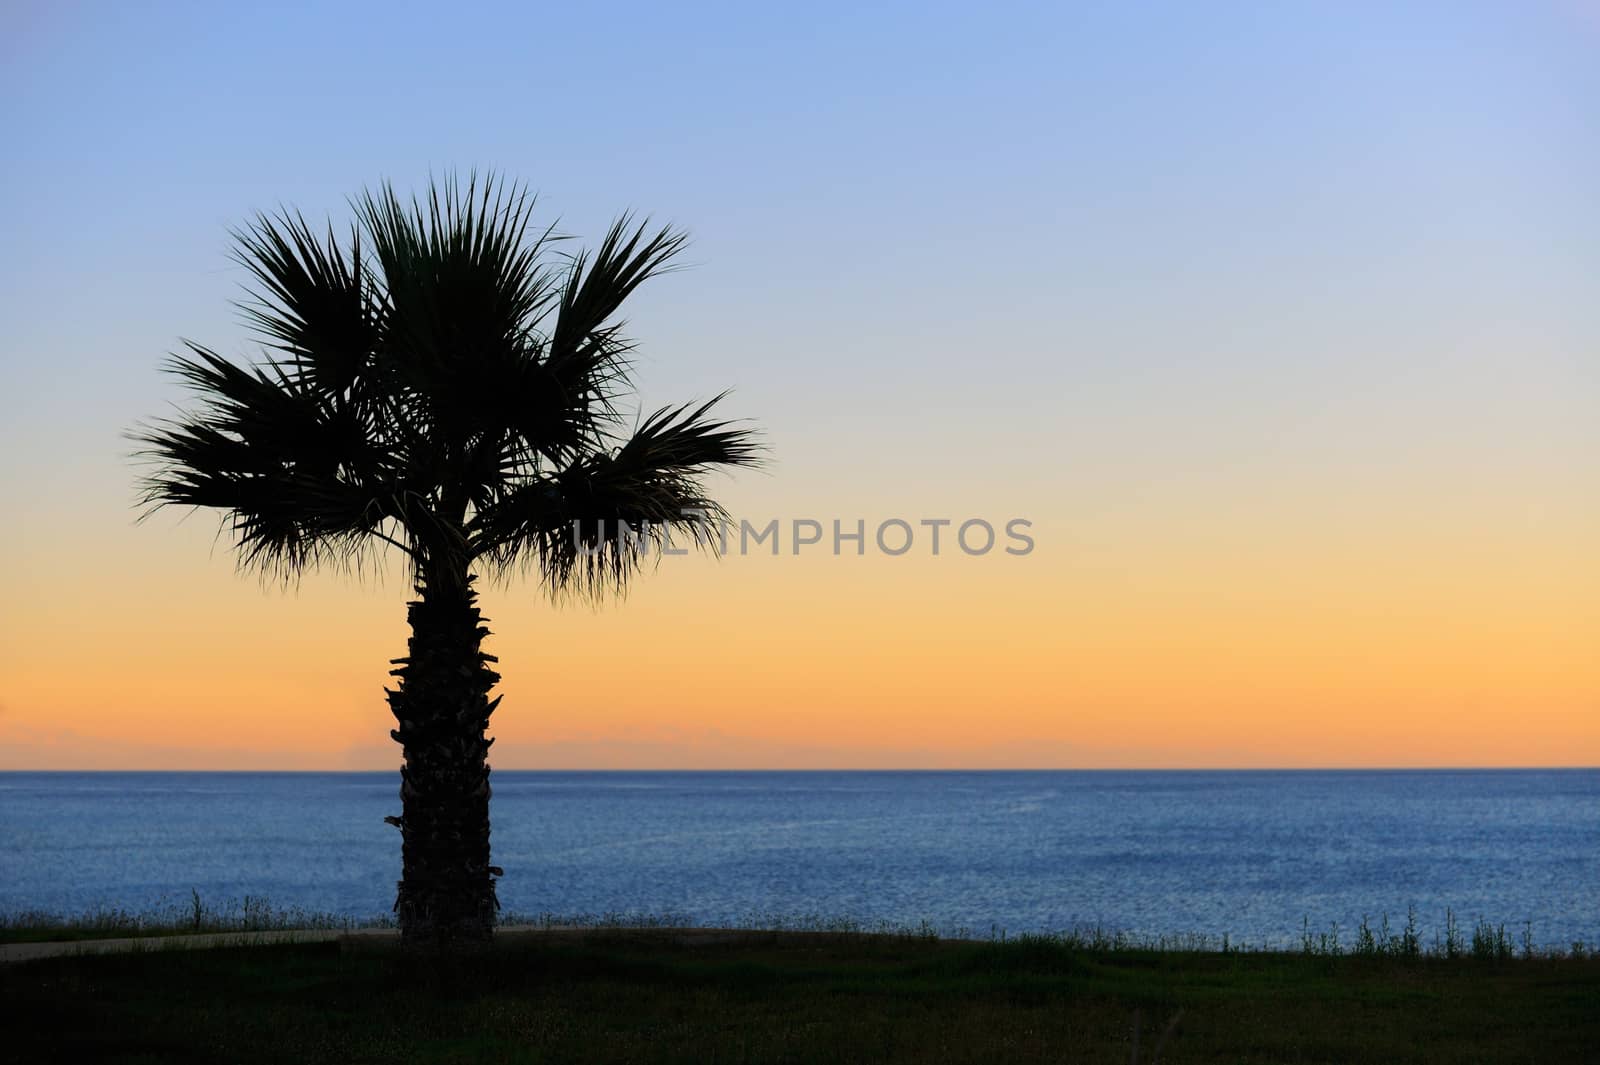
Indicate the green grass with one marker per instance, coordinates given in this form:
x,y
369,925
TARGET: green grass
x,y
639,995
251,914
256,914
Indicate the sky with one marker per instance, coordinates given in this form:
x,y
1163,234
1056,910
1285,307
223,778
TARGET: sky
x,y
1278,324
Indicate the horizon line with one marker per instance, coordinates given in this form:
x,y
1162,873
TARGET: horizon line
x,y
904,769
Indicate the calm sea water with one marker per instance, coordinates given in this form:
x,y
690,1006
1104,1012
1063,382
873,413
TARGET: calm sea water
x,y
1246,853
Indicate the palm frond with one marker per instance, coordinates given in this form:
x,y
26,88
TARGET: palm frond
x,y
685,439
278,415
296,479
588,354
590,526
315,302
465,285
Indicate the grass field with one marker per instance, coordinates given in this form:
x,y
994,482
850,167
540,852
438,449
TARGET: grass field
x,y
250,914
643,995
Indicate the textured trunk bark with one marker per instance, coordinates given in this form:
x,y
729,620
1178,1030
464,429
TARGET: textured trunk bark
x,y
447,891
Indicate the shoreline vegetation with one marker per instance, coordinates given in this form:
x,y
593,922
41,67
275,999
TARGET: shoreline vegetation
x,y
627,990
1371,937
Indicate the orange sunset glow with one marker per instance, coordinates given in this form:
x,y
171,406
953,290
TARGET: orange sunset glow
x,y
1232,646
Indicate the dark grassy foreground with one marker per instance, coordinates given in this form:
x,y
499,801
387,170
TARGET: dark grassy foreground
x,y
795,997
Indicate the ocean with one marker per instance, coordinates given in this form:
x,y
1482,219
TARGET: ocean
x,y
1256,855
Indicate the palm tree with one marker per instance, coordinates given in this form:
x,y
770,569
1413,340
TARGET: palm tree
x,y
443,385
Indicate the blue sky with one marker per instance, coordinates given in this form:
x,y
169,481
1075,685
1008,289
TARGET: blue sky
x,y
1032,193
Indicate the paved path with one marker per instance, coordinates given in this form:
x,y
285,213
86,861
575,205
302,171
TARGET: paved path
x,y
10,952
360,938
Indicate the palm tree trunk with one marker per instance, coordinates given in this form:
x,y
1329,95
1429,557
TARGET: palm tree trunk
x,y
446,893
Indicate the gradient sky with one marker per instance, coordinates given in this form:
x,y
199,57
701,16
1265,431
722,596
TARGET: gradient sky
x,y
1280,322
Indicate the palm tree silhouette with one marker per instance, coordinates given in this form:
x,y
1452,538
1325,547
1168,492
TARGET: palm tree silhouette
x,y
444,385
